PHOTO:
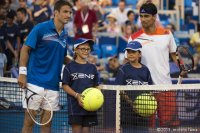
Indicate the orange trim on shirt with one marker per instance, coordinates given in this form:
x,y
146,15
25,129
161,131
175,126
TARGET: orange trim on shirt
x,y
137,34
159,31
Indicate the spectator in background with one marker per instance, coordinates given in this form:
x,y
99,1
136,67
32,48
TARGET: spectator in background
x,y
4,42
112,26
85,21
113,66
3,35
93,60
196,69
121,12
52,3
77,4
13,35
6,6
14,5
2,9
2,3
105,3
172,28
23,4
128,31
98,10
3,62
41,11
195,40
131,20
25,25
69,27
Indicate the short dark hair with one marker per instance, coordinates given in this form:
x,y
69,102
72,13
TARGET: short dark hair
x,y
130,12
22,10
148,8
11,14
60,4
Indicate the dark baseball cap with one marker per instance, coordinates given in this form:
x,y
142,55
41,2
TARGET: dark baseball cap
x,y
148,8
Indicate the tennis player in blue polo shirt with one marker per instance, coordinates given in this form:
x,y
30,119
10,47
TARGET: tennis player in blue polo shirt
x,y
41,60
132,73
79,75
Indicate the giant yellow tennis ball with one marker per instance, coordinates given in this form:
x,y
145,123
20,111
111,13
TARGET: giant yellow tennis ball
x,y
92,99
145,105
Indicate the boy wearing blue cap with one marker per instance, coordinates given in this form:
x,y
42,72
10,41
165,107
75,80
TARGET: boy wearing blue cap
x,y
79,75
132,73
140,72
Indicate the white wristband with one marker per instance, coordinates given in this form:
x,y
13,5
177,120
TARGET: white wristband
x,y
23,70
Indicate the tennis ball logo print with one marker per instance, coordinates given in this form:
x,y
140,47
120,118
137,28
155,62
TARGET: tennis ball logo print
x,y
145,105
92,99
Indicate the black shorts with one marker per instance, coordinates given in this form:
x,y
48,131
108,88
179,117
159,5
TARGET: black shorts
x,y
85,120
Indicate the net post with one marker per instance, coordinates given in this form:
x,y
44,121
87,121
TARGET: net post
x,y
117,122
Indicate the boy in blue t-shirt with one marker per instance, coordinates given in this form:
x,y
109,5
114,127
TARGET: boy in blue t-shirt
x,y
132,73
79,75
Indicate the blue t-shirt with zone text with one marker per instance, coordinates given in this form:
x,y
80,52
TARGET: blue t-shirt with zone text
x,y
79,77
129,75
46,56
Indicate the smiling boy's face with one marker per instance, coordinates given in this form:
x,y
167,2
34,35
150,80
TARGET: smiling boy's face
x,y
83,50
133,56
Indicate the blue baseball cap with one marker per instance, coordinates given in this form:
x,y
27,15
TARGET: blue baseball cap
x,y
82,41
134,45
